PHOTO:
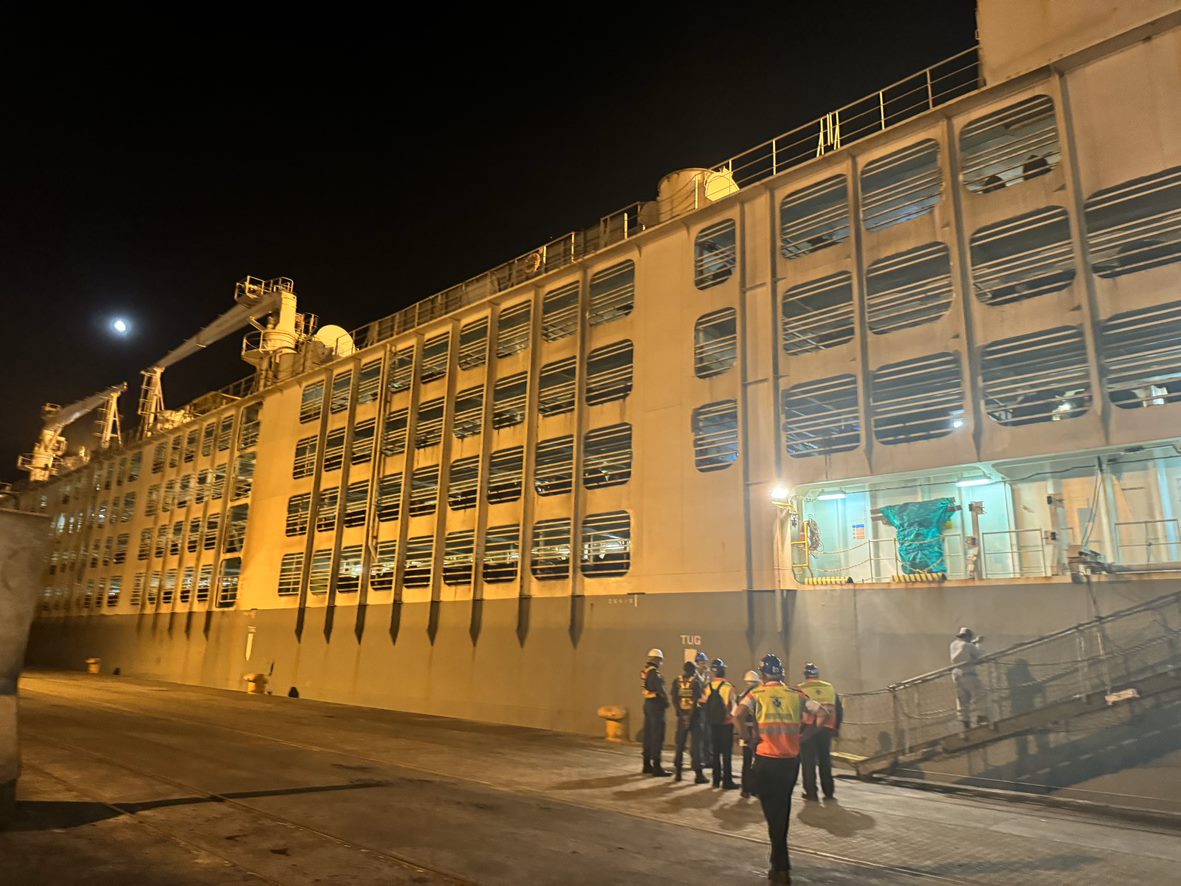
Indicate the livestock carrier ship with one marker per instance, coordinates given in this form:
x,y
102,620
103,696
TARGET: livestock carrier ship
x,y
913,365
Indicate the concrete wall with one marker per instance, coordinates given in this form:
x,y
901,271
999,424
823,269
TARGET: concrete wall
x,y
22,552
1017,36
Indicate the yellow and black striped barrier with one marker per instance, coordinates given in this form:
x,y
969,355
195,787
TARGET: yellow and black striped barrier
x,y
829,580
921,576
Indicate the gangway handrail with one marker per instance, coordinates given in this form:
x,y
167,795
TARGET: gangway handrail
x,y
1008,652
1131,653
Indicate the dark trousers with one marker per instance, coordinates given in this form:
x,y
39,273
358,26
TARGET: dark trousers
x,y
686,733
816,750
776,781
701,742
722,738
653,731
747,758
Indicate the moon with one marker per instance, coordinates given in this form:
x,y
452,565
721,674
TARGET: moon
x,y
120,326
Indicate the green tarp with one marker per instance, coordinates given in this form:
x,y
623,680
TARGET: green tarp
x,y
919,525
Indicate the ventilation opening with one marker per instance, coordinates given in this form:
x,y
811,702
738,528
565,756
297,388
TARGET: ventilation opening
x,y
1023,257
917,400
908,289
714,255
607,456
609,373
553,473
715,343
715,435
814,218
606,544
464,486
1135,226
819,314
1036,378
1142,357
821,417
901,186
502,554
1010,146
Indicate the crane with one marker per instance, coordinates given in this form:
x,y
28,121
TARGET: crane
x,y
254,298
49,451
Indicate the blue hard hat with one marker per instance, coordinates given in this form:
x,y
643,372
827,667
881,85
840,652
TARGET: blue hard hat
x,y
810,670
701,656
718,667
772,666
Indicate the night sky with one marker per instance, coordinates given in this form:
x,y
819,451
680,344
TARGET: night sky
x,y
144,173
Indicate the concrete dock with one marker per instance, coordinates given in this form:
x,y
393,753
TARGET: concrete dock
x,y
132,781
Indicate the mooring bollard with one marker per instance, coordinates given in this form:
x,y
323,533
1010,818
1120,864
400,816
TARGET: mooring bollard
x,y
256,684
615,718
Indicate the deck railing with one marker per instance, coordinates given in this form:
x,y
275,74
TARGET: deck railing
x,y
941,83
898,102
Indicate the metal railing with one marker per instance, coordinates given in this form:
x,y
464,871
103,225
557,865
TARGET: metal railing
x,y
1155,541
1013,553
907,98
873,560
1109,653
941,83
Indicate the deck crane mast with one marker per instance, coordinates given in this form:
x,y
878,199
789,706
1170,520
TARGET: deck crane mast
x,y
49,452
254,298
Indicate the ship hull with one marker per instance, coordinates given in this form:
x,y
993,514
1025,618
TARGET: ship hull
x,y
551,662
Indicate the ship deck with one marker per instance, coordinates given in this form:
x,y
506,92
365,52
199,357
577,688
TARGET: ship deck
x,y
128,780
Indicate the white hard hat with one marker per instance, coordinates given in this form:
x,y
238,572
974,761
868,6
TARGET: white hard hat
x,y
964,633
655,653
752,677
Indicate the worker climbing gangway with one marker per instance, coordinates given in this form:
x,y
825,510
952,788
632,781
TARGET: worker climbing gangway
x,y
1131,654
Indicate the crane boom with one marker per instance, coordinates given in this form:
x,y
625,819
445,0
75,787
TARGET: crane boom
x,y
229,322
151,394
49,452
63,416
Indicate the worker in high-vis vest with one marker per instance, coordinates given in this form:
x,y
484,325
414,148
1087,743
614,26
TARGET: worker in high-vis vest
x,y
655,704
816,749
780,713
702,740
686,693
717,705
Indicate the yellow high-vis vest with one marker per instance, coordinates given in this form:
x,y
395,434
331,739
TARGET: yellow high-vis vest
x,y
824,695
779,712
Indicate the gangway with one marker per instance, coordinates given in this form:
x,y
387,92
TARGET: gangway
x,y
1131,654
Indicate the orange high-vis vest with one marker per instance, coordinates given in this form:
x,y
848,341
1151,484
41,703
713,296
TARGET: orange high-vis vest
x,y
645,691
779,712
825,695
